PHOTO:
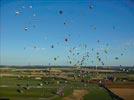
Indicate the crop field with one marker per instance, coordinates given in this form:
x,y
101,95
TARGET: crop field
x,y
13,88
9,87
39,85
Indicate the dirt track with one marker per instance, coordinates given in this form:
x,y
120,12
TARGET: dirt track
x,y
77,95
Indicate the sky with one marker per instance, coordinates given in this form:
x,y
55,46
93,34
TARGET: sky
x,y
75,29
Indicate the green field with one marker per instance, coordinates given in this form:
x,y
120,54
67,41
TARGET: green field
x,y
9,86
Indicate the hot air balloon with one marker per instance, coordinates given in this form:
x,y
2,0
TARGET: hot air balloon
x,y
116,58
60,12
55,58
17,12
66,39
26,28
52,46
91,6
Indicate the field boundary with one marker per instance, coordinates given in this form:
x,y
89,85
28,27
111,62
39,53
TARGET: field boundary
x,y
112,95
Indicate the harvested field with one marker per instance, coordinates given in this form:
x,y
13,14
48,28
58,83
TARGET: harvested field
x,y
129,85
125,93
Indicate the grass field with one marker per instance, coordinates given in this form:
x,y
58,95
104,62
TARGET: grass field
x,y
9,86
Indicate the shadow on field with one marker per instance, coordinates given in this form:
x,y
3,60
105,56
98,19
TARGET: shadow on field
x,y
4,99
